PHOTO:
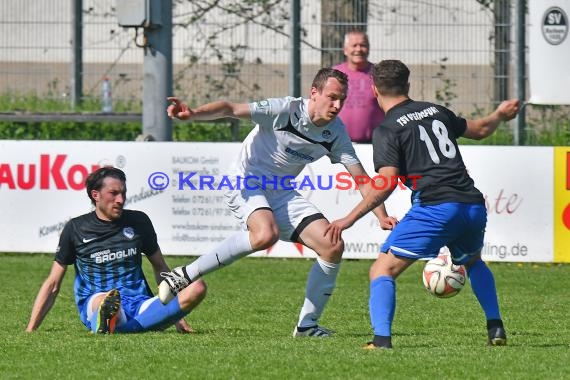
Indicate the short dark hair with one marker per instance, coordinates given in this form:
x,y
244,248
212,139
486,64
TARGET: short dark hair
x,y
94,180
391,77
324,74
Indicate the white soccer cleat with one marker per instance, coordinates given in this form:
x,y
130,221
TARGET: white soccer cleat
x,y
173,283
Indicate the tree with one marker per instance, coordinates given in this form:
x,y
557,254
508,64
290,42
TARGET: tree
x,y
207,22
337,18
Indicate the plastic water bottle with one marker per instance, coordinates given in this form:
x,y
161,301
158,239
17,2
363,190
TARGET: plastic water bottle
x,y
106,97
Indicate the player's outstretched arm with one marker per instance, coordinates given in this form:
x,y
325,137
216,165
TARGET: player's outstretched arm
x,y
374,198
210,111
46,296
478,129
364,186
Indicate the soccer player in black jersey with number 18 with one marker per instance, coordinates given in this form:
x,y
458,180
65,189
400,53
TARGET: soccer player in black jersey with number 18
x,y
419,139
106,247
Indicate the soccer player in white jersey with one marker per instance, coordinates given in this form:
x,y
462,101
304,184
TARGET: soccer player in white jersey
x,y
289,134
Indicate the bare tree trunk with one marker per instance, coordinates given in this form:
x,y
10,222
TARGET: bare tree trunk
x,y
337,18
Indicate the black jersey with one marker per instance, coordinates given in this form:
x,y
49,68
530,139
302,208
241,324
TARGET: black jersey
x,y
107,255
420,138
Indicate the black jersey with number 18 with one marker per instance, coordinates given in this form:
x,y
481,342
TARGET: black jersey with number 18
x,y
420,139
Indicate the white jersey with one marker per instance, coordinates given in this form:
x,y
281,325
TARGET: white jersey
x,y
285,140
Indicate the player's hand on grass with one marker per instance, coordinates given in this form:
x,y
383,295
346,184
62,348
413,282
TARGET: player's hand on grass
x,y
178,109
183,327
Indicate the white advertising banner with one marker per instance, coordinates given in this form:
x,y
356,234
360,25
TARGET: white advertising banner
x,y
518,185
549,51
41,187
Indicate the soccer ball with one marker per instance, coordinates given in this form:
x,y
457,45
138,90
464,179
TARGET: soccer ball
x,y
442,278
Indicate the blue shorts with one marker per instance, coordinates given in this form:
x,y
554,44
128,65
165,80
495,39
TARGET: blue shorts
x,y
138,313
425,229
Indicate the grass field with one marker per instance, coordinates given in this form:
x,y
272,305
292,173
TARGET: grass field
x,y
244,329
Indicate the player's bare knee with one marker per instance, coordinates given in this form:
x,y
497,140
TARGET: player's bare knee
x,y
338,248
192,295
199,289
263,239
333,253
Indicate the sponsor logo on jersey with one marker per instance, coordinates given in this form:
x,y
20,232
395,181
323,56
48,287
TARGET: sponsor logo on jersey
x,y
129,232
263,104
326,134
107,255
299,154
428,112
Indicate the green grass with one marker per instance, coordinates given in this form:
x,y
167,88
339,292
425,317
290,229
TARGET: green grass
x,y
244,326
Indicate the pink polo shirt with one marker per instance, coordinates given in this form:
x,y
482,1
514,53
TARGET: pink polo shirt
x,y
361,112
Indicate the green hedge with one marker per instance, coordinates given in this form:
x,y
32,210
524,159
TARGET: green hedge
x,y
69,131
114,131
108,131
547,125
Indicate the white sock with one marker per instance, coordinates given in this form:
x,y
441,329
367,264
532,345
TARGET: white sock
x,y
320,284
228,251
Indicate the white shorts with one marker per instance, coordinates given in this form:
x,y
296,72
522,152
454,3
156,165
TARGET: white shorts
x,y
291,210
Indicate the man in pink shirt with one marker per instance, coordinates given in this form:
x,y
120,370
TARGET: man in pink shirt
x,y
360,113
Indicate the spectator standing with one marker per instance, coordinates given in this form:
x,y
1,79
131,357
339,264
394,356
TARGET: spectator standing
x,y
361,113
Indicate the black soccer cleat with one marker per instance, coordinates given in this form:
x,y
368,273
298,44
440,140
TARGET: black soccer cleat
x,y
379,342
312,331
108,312
496,333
